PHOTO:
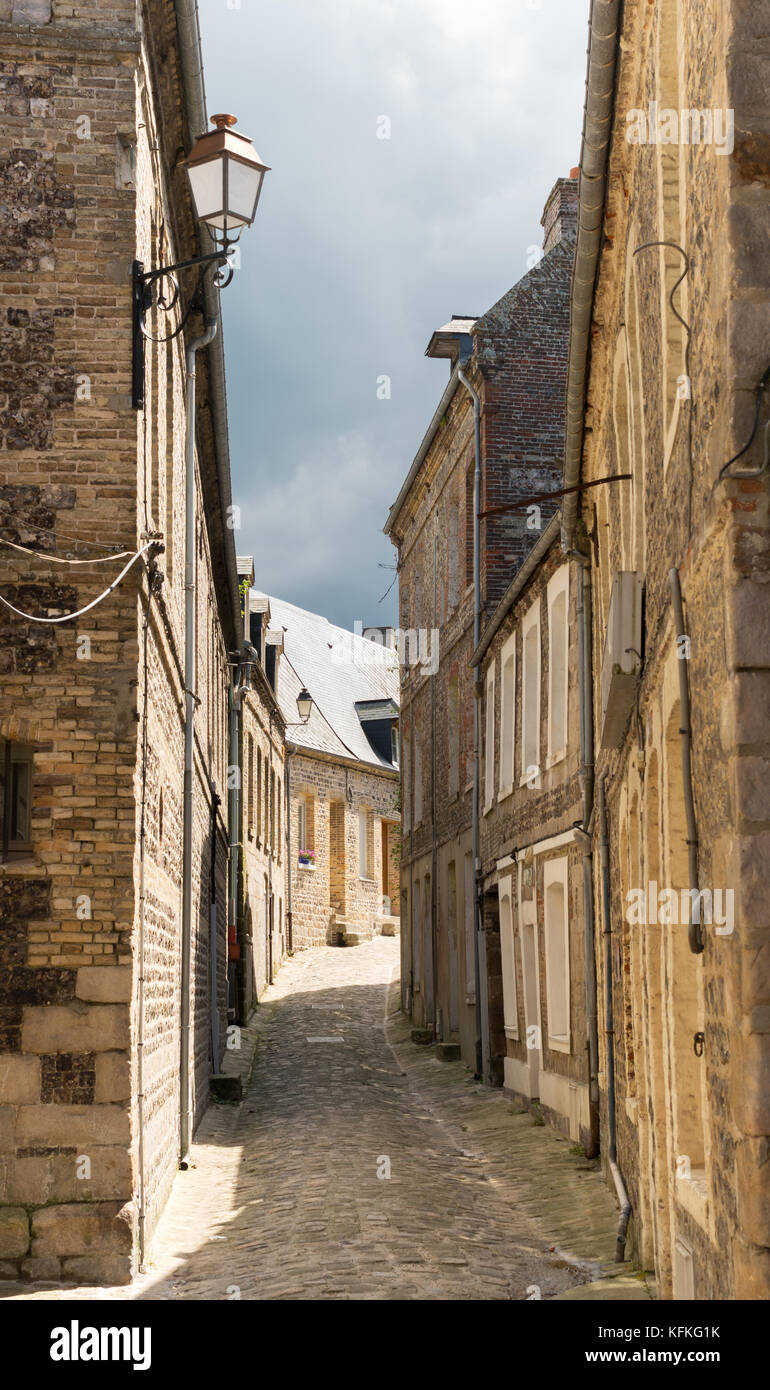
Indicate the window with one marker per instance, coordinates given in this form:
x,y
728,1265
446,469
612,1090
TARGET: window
x,y
250,785
469,525
417,779
306,825
530,722
15,797
558,664
278,815
394,744
453,738
508,958
406,789
417,590
507,715
671,185
489,741
272,811
556,953
453,529
259,793
365,844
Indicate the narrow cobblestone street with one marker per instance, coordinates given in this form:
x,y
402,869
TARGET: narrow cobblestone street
x,y
284,1200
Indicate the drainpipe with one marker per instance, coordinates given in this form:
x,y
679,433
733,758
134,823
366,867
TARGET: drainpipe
x,y
585,693
185,1116
603,49
233,761
434,847
617,1178
482,1025
694,933
289,866
213,934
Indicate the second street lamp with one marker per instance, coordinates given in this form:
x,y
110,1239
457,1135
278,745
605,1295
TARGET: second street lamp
x,y
226,176
304,704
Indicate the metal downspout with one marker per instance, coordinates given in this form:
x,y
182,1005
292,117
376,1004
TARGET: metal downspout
x,y
213,934
434,844
289,865
482,1051
603,44
694,933
585,640
185,1117
617,1177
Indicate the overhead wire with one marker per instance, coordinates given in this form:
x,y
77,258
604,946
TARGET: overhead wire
x,y
67,617
65,560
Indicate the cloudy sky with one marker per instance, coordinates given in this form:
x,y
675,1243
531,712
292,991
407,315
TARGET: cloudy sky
x,y
363,245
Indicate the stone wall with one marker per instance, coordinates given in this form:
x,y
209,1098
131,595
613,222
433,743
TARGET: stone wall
x,y
514,819
518,368
87,157
671,405
266,935
331,897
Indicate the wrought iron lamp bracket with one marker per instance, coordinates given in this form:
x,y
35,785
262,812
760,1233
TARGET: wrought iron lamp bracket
x,y
148,289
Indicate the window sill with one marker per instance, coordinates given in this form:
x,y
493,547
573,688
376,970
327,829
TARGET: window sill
x,y
554,758
487,808
511,1032
363,879
692,1194
309,868
534,786
24,856
560,1045
504,792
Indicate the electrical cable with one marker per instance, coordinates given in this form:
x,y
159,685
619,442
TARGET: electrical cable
x,y
60,535
33,618
61,560
750,472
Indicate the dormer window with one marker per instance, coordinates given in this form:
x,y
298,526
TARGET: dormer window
x,y
379,721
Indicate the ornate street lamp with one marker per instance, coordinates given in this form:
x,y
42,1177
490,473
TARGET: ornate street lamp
x,y
304,704
226,176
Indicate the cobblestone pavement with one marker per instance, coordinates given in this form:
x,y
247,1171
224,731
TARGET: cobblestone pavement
x,y
284,1200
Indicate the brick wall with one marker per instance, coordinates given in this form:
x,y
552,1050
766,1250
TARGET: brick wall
x,y
518,368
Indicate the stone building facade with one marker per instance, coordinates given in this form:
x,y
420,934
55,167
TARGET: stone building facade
x,y
514,358
258,921
341,780
675,394
531,851
99,103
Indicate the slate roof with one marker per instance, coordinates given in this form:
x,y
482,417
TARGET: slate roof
x,y
339,669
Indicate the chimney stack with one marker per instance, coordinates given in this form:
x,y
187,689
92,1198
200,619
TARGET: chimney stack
x,y
560,212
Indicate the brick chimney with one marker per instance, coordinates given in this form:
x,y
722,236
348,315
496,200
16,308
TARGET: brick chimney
x,y
560,212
